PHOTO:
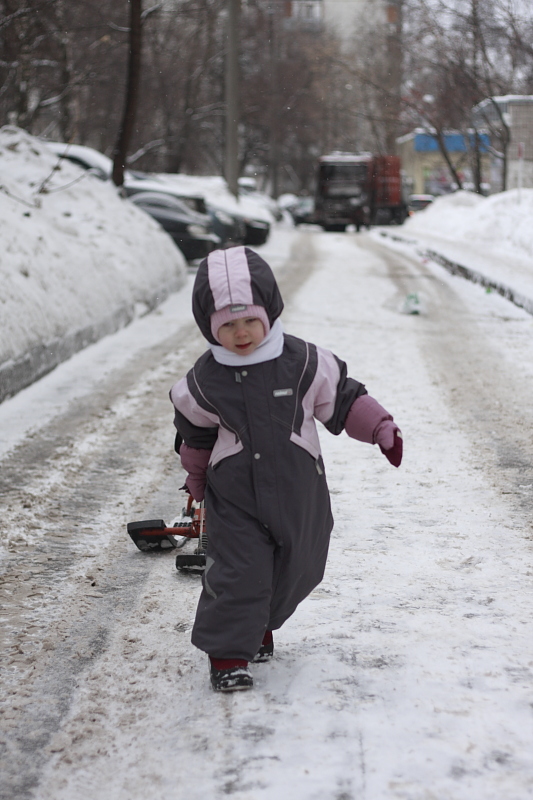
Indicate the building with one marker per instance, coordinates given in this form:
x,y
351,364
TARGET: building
x,y
342,17
509,118
309,13
424,166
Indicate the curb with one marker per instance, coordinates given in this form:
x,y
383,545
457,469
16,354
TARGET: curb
x,y
454,268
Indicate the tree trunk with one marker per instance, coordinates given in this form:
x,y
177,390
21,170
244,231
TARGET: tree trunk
x,y
477,171
132,93
68,120
444,150
394,73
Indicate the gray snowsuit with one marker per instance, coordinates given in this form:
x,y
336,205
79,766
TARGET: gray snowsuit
x,y
268,510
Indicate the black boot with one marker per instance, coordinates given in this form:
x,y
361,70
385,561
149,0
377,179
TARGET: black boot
x,y
230,675
266,651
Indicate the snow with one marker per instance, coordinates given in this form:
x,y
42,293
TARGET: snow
x,y
100,162
406,675
501,222
492,235
77,260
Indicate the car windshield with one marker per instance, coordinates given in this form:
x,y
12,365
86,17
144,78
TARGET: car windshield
x,y
418,204
343,172
342,179
89,167
195,204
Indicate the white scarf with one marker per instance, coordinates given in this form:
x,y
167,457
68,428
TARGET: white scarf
x,y
271,347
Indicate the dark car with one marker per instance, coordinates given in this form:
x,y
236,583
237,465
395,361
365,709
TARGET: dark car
x,y
257,231
234,228
87,158
417,202
190,230
230,228
303,211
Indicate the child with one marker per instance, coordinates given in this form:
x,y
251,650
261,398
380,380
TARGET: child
x,y
248,441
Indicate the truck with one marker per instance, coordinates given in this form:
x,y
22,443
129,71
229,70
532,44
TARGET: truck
x,y
359,189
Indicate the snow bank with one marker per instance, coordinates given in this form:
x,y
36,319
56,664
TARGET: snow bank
x,y
78,262
501,221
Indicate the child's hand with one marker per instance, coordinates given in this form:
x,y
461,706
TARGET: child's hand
x,y
369,422
390,440
195,463
196,486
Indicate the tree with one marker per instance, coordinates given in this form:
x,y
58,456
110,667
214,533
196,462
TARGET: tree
x,y
132,93
461,53
66,69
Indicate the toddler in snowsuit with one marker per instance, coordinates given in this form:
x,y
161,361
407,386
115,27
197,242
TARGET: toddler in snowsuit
x,y
245,415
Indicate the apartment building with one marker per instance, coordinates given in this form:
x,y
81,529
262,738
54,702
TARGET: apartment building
x,y
509,118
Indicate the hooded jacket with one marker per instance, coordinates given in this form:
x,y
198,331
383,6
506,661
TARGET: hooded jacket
x,y
267,500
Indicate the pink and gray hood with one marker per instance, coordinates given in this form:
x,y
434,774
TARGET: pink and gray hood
x,y
234,278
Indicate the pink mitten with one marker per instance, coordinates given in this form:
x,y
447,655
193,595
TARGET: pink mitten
x,y
390,440
195,462
369,422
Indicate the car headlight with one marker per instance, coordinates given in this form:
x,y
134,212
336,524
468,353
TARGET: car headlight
x,y
224,218
197,230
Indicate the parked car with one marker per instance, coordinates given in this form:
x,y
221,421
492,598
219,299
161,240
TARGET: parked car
x,y
257,231
92,160
85,157
248,210
303,211
248,188
190,230
230,228
417,202
249,221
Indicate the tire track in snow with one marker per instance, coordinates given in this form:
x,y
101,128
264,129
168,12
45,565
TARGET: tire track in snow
x,y
468,360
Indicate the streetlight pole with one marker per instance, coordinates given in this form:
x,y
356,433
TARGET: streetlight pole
x,y
232,96
274,110
394,55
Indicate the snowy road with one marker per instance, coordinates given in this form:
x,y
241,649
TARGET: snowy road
x,y
406,675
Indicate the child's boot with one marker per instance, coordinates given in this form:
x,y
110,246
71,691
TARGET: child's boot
x,y
230,674
266,651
